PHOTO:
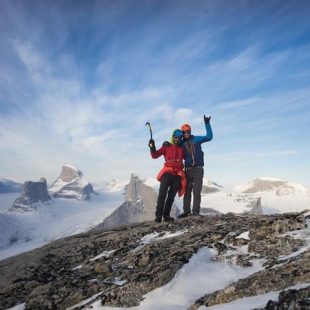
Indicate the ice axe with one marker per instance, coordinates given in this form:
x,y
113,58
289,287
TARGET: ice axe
x,y
148,124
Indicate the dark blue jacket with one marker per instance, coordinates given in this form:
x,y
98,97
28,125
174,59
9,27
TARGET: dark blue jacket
x,y
192,148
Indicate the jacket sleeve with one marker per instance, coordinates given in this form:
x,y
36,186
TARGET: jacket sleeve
x,y
159,152
207,137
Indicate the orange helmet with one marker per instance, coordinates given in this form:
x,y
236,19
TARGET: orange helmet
x,y
186,127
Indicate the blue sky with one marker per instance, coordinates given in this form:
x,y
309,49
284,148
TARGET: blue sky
x,y
79,79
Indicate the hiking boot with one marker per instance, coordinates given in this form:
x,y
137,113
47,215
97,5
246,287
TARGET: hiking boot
x,y
183,215
158,219
197,214
168,219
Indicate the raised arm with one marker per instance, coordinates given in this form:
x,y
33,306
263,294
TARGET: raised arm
x,y
209,133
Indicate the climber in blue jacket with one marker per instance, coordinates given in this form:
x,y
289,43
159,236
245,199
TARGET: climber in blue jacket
x,y
194,163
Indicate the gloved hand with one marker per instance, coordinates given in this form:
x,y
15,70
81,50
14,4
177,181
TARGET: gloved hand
x,y
152,145
166,143
207,119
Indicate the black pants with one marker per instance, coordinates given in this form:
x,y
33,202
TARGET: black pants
x,y
194,177
169,184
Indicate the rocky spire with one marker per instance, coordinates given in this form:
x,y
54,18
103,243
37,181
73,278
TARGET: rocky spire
x,y
256,207
32,193
139,205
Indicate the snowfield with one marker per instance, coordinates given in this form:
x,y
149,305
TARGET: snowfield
x,y
24,231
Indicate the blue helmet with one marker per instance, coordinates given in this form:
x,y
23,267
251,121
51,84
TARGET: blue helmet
x,y
177,133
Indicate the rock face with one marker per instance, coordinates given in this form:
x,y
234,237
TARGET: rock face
x,y
8,186
118,267
256,207
139,205
71,184
32,193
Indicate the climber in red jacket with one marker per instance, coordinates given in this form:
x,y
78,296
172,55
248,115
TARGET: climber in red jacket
x,y
171,176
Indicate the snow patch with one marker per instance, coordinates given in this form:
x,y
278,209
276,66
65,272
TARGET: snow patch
x,y
86,301
18,307
105,254
149,238
244,235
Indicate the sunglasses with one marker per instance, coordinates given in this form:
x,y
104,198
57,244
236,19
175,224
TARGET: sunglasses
x,y
176,137
187,131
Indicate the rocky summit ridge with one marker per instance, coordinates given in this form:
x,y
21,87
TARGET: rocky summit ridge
x,y
118,267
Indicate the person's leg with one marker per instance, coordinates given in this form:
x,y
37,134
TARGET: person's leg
x,y
163,188
173,189
198,179
188,193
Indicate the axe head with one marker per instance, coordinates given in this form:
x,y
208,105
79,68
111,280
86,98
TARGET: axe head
x,y
147,124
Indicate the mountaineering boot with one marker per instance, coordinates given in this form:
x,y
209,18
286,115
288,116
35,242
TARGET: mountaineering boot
x,y
183,215
168,219
158,219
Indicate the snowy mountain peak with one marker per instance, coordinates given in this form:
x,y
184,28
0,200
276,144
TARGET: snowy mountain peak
x,y
210,187
71,184
280,187
133,188
114,185
69,173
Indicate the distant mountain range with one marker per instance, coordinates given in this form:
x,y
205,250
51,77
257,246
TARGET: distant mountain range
x,y
71,205
9,186
279,187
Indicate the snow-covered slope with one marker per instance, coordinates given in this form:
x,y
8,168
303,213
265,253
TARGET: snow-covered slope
x,y
115,185
210,187
23,231
152,182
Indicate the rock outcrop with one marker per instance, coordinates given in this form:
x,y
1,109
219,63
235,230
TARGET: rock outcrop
x,y
32,193
256,207
119,267
71,184
139,205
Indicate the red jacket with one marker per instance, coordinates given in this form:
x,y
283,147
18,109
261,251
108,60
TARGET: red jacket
x,y
174,156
